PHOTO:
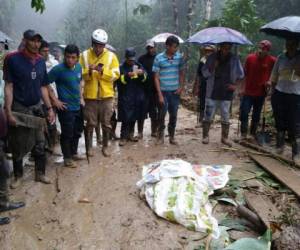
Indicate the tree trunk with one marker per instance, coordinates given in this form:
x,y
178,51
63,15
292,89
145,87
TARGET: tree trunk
x,y
190,14
208,7
175,14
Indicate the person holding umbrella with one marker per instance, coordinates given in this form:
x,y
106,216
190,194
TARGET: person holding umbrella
x,y
223,71
286,97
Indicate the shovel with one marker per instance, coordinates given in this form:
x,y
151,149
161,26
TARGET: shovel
x,y
263,137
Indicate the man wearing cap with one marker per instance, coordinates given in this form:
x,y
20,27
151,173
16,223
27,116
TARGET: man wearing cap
x,y
26,82
131,106
258,68
100,68
150,92
199,88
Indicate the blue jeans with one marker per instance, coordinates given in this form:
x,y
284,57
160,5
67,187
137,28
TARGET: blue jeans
x,y
71,128
171,103
212,105
247,103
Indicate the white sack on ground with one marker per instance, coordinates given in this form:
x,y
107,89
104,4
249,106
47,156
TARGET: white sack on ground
x,y
179,192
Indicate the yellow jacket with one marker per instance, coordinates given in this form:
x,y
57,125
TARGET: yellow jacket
x,y
96,85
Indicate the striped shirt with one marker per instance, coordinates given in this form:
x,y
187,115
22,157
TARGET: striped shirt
x,y
168,70
68,84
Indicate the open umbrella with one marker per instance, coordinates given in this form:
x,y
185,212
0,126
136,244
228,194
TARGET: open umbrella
x,y
286,27
4,37
217,35
162,37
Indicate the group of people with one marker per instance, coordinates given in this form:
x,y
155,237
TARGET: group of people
x,y
81,89
220,73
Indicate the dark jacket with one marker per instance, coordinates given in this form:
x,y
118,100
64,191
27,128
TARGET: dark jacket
x,y
131,94
147,62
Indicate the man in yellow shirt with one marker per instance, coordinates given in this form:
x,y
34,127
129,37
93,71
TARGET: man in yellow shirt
x,y
100,68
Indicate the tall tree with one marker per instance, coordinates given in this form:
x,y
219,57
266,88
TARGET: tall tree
x,y
175,15
208,9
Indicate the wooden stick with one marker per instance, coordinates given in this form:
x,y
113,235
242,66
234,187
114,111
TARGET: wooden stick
x,y
57,186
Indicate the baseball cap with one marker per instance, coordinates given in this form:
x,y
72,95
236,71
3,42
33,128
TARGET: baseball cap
x,y
30,34
265,45
130,53
150,43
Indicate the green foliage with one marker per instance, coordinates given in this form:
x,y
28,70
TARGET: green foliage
x,y
38,5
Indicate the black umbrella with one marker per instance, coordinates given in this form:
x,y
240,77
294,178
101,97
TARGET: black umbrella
x,y
286,27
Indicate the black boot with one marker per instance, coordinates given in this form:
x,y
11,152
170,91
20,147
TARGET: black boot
x,y
172,136
10,206
153,128
4,221
225,134
280,137
253,128
244,130
140,128
296,151
40,169
205,133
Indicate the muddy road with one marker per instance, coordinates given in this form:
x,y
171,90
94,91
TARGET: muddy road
x,y
113,216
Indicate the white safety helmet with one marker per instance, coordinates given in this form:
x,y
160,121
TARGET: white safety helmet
x,y
99,36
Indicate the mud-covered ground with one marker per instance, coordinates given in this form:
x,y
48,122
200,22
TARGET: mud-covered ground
x,y
115,217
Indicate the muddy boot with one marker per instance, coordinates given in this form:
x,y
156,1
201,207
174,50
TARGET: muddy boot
x,y
140,129
280,137
113,135
133,138
244,130
205,129
172,136
40,166
69,163
296,151
153,128
122,142
16,182
98,135
225,133
253,128
160,137
105,143
18,171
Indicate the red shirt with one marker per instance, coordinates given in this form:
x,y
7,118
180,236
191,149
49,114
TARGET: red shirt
x,y
257,72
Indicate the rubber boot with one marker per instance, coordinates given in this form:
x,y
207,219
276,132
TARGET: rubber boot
x,y
140,128
205,132
160,137
4,220
17,181
225,133
40,166
98,135
113,135
296,151
153,128
280,137
172,136
105,138
244,130
253,128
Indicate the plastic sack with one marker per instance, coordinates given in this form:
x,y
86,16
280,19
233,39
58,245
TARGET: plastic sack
x,y
179,192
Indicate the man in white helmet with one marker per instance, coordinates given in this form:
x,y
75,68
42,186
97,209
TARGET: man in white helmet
x,y
100,69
